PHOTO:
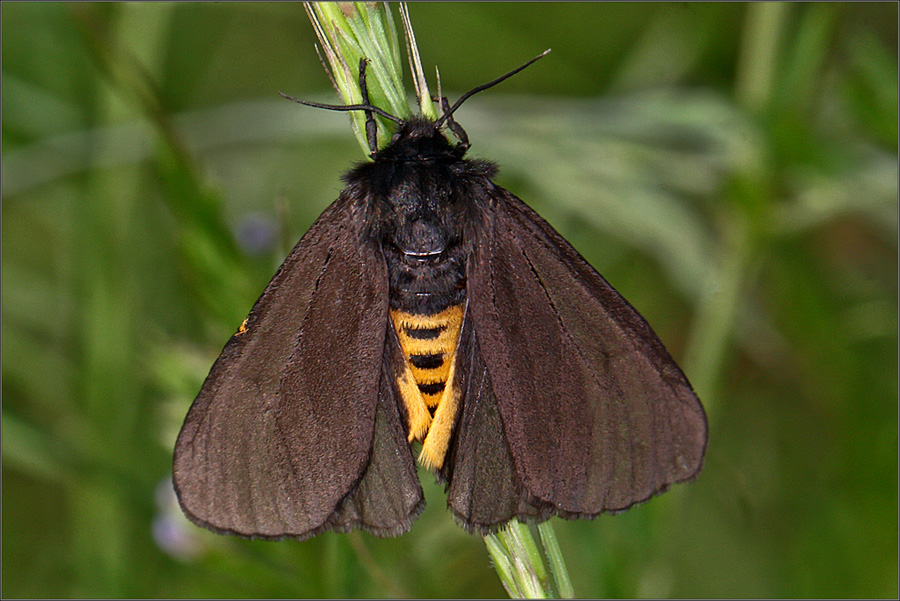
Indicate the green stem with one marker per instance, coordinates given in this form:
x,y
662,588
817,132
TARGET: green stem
x,y
557,566
349,31
525,569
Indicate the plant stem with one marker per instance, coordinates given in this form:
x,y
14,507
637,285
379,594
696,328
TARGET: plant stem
x,y
557,565
349,31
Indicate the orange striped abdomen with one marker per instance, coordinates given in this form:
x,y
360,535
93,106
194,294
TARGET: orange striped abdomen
x,y
429,344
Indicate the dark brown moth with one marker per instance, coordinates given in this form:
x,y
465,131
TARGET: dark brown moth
x,y
429,307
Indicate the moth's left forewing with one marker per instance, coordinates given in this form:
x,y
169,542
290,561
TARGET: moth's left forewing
x,y
596,414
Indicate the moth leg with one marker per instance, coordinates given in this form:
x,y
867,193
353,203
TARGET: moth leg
x,y
371,126
455,127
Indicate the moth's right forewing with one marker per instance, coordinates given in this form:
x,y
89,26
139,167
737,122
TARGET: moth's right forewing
x,y
282,429
596,413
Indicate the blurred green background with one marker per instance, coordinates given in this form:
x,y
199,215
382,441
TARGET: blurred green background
x,y
730,168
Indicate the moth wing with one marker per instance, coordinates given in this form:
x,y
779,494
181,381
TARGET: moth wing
x,y
389,496
296,424
596,414
483,490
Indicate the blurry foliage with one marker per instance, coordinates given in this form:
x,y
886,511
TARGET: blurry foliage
x,y
731,168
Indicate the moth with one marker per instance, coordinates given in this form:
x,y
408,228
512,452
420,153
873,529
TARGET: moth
x,y
428,314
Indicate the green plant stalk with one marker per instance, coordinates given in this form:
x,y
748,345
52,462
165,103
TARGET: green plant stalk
x,y
531,576
557,565
351,31
503,565
525,570
426,106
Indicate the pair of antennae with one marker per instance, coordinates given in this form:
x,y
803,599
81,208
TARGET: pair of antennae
x,y
487,85
445,117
